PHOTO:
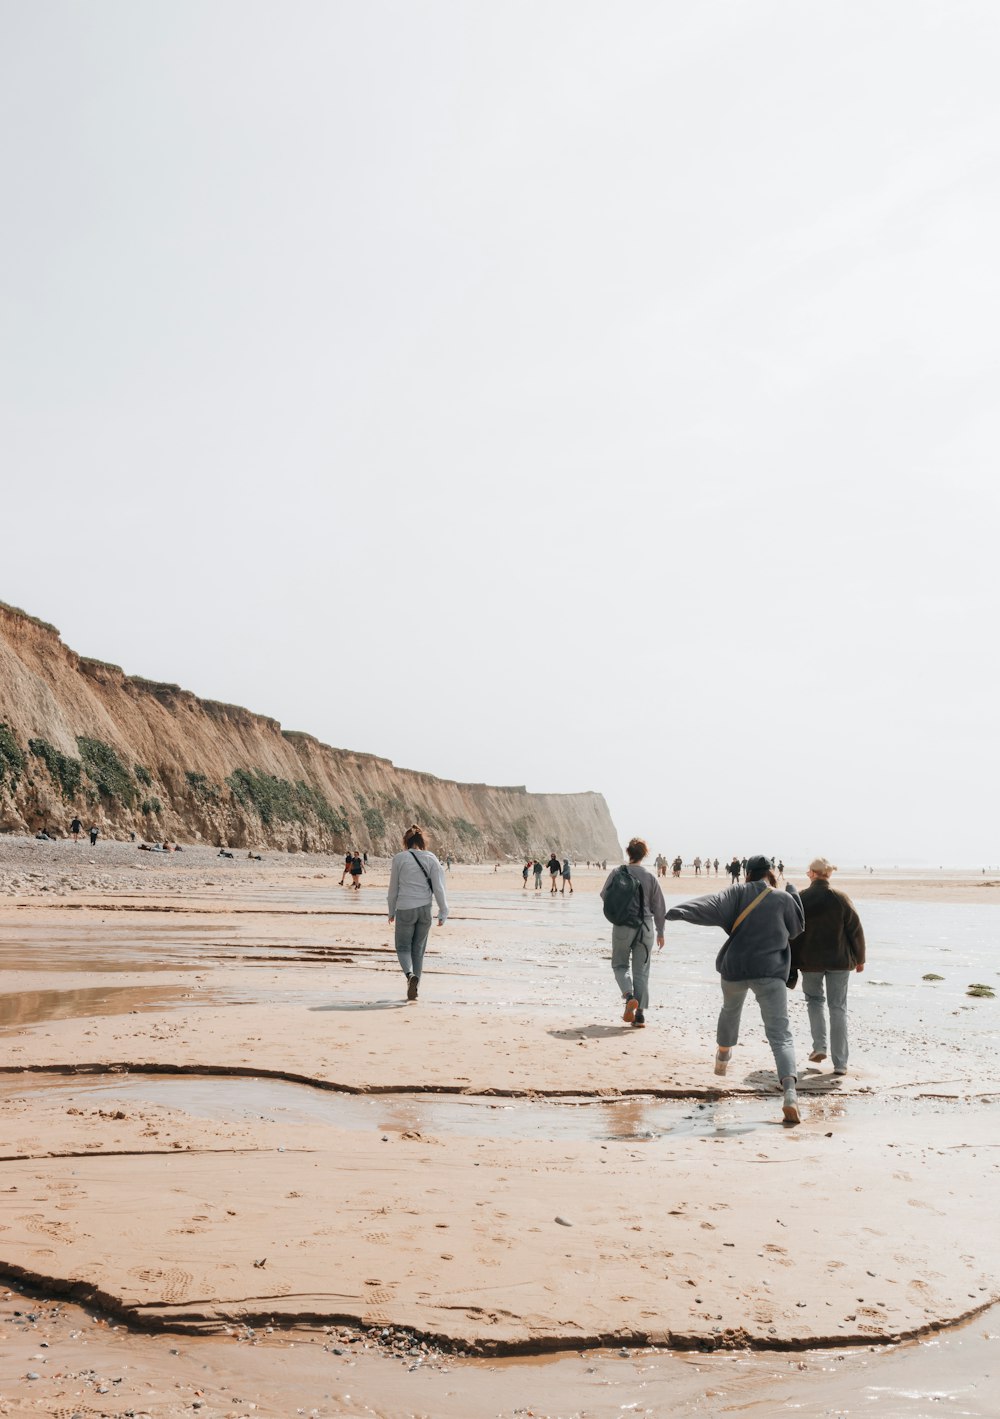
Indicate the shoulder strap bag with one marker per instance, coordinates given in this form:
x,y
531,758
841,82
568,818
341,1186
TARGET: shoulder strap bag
x,y
423,869
738,923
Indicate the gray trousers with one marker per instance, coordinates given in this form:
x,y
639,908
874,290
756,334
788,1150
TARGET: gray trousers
x,y
631,952
413,926
772,997
836,983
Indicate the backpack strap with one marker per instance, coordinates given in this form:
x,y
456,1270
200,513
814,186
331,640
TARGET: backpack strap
x,y
748,909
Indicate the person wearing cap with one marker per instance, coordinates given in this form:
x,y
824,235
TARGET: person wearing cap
x,y
759,923
829,951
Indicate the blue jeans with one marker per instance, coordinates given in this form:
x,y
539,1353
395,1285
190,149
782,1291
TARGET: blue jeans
x,y
772,997
836,983
631,951
413,926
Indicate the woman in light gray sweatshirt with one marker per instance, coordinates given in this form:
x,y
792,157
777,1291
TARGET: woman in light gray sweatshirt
x,y
415,881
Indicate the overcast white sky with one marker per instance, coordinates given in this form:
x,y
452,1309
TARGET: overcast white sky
x,y
580,395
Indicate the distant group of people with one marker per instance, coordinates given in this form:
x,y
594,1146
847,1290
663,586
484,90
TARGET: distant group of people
x,y
560,874
736,867
771,936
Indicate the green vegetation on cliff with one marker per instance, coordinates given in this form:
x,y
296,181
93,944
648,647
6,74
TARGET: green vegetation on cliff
x,y
275,799
11,757
202,787
64,770
106,770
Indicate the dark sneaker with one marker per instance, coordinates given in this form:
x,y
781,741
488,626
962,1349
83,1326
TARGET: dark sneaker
x,y
631,1006
640,1020
411,988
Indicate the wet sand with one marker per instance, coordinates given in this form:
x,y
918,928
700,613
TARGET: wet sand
x,y
219,1114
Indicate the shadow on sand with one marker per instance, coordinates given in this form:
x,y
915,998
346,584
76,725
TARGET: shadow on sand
x,y
592,1032
364,1005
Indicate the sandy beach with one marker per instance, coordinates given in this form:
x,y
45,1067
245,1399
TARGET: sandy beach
x,y
239,1170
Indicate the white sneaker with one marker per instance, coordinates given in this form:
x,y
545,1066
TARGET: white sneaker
x,y
790,1105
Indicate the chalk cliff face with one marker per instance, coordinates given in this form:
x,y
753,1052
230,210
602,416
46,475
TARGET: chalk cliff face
x,y
81,738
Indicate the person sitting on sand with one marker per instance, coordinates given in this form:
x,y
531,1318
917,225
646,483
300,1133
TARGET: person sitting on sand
x,y
829,951
759,923
632,942
415,881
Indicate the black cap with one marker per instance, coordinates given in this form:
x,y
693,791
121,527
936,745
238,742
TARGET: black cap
x,y
757,866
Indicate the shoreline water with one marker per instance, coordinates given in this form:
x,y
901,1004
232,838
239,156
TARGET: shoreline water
x,y
276,974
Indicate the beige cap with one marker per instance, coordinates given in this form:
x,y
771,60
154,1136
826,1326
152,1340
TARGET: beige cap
x,y
821,867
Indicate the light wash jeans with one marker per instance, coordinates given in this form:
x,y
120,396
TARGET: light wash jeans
x,y
413,926
772,997
631,952
836,983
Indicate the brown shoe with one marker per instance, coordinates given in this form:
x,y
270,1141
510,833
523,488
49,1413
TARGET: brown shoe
x,y
411,987
631,1006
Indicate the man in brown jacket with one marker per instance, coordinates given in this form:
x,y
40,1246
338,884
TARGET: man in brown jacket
x,y
828,951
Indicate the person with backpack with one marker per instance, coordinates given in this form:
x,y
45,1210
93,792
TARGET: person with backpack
x,y
633,902
415,881
759,923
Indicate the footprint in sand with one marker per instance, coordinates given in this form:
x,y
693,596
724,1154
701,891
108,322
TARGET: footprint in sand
x,y
176,1285
40,1225
377,1237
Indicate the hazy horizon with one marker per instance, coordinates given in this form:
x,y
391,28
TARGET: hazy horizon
x,y
579,396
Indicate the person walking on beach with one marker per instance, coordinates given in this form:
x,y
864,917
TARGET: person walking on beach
x,y
567,877
357,867
696,864
415,881
93,836
716,867
525,874
633,903
676,865
829,951
76,828
759,923
537,869
555,869
348,859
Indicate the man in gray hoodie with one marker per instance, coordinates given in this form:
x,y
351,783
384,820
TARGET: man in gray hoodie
x,y
759,923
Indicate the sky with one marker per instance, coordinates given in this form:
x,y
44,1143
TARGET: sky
x,y
588,396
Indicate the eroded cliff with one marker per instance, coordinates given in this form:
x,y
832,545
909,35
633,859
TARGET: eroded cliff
x,y
79,737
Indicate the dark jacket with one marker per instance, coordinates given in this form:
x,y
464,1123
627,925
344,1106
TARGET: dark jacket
x,y
833,939
759,948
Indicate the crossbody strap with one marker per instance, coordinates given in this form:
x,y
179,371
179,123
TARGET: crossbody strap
x,y
423,869
748,909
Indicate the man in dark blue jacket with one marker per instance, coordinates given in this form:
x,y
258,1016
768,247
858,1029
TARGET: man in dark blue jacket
x,y
759,923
